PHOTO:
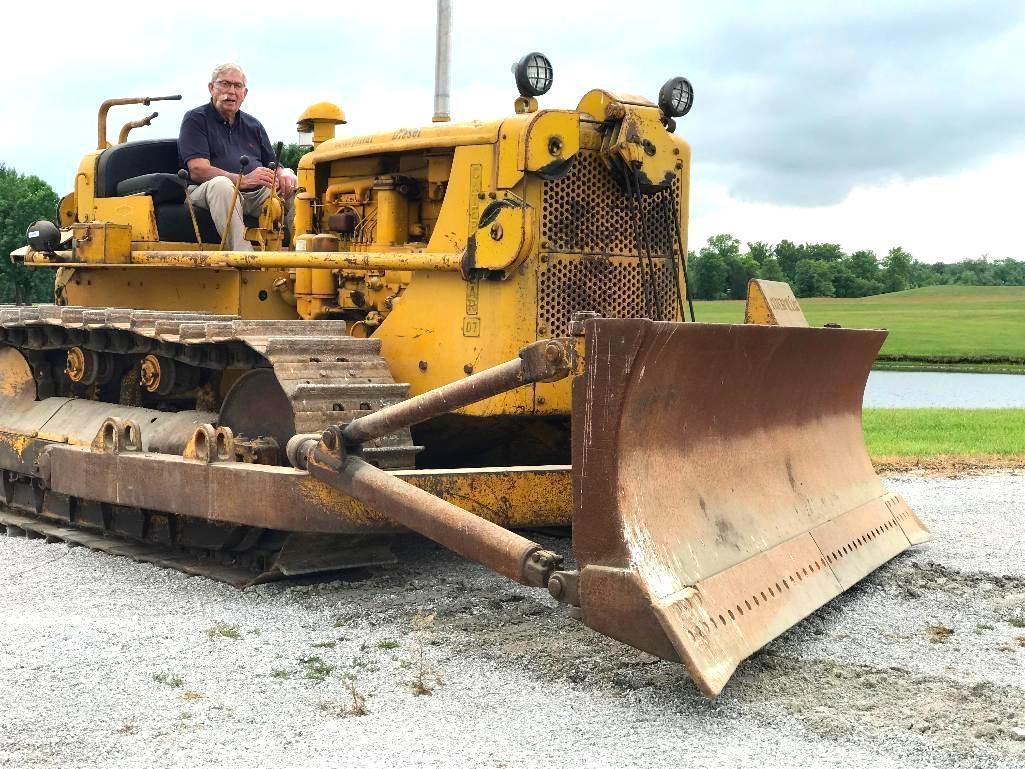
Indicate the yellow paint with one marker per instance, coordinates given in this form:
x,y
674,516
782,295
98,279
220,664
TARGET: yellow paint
x,y
772,303
510,497
135,211
225,292
102,242
404,140
16,442
85,187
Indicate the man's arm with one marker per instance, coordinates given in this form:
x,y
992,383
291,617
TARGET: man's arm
x,y
194,150
200,170
286,178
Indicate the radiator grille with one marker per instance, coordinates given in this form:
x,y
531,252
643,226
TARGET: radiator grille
x,y
586,212
609,286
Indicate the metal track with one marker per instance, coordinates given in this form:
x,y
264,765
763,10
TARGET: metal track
x,y
20,524
327,377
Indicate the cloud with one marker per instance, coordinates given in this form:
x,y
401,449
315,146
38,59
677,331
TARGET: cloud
x,y
800,107
939,218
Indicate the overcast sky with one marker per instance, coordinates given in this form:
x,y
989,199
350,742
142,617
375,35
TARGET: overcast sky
x,y
870,124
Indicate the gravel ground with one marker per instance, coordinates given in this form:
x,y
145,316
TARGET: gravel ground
x,y
109,663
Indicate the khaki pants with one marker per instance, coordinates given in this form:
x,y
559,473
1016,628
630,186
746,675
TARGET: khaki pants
x,y
215,197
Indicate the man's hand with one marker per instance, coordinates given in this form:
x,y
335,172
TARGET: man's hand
x,y
258,177
287,182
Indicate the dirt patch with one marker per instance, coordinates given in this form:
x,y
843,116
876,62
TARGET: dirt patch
x,y
949,466
838,700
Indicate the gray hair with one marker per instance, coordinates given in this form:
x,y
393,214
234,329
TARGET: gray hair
x,y
220,70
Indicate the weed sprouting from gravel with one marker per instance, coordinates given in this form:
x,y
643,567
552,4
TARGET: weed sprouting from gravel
x,y
1016,622
281,673
359,703
358,706
175,682
315,668
387,643
223,630
425,675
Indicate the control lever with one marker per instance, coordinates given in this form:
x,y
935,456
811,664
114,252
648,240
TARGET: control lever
x,y
184,176
243,161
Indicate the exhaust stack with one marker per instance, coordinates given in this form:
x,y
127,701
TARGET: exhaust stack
x,y
442,62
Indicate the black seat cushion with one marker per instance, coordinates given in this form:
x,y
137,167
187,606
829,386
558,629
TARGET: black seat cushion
x,y
124,161
163,188
175,224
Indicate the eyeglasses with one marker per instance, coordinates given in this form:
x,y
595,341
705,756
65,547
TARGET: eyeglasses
x,y
224,85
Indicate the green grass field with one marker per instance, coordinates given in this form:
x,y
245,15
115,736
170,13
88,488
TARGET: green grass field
x,y
963,327
945,432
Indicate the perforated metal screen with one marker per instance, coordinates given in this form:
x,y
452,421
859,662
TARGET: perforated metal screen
x,y
587,213
610,286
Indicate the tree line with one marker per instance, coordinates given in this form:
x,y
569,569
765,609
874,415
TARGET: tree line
x,y
721,270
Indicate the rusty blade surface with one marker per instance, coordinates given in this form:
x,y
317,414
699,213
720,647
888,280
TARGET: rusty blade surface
x,y
722,489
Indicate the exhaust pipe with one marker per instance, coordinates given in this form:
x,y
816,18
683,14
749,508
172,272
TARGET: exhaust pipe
x,y
442,62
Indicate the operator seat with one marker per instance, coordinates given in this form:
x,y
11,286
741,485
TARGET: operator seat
x,y
150,167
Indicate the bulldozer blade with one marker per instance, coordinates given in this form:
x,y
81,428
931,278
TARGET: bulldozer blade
x,y
722,488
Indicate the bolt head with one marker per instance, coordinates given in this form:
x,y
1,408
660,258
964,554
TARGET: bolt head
x,y
555,586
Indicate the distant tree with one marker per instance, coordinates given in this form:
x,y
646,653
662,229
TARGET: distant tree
x,y
897,270
814,278
720,270
709,273
291,154
845,283
923,275
759,251
864,265
1009,272
23,200
825,252
741,269
724,244
968,278
770,269
788,255
714,265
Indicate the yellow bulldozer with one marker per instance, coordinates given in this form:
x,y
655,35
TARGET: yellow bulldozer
x,y
476,328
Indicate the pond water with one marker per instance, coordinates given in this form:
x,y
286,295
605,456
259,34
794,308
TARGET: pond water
x,y
930,389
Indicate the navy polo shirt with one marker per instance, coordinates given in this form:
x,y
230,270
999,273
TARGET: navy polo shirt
x,y
205,134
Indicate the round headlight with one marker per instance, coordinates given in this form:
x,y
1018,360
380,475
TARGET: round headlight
x,y
43,236
676,97
533,74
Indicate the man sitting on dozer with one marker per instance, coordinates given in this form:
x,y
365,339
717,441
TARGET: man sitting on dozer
x,y
212,139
